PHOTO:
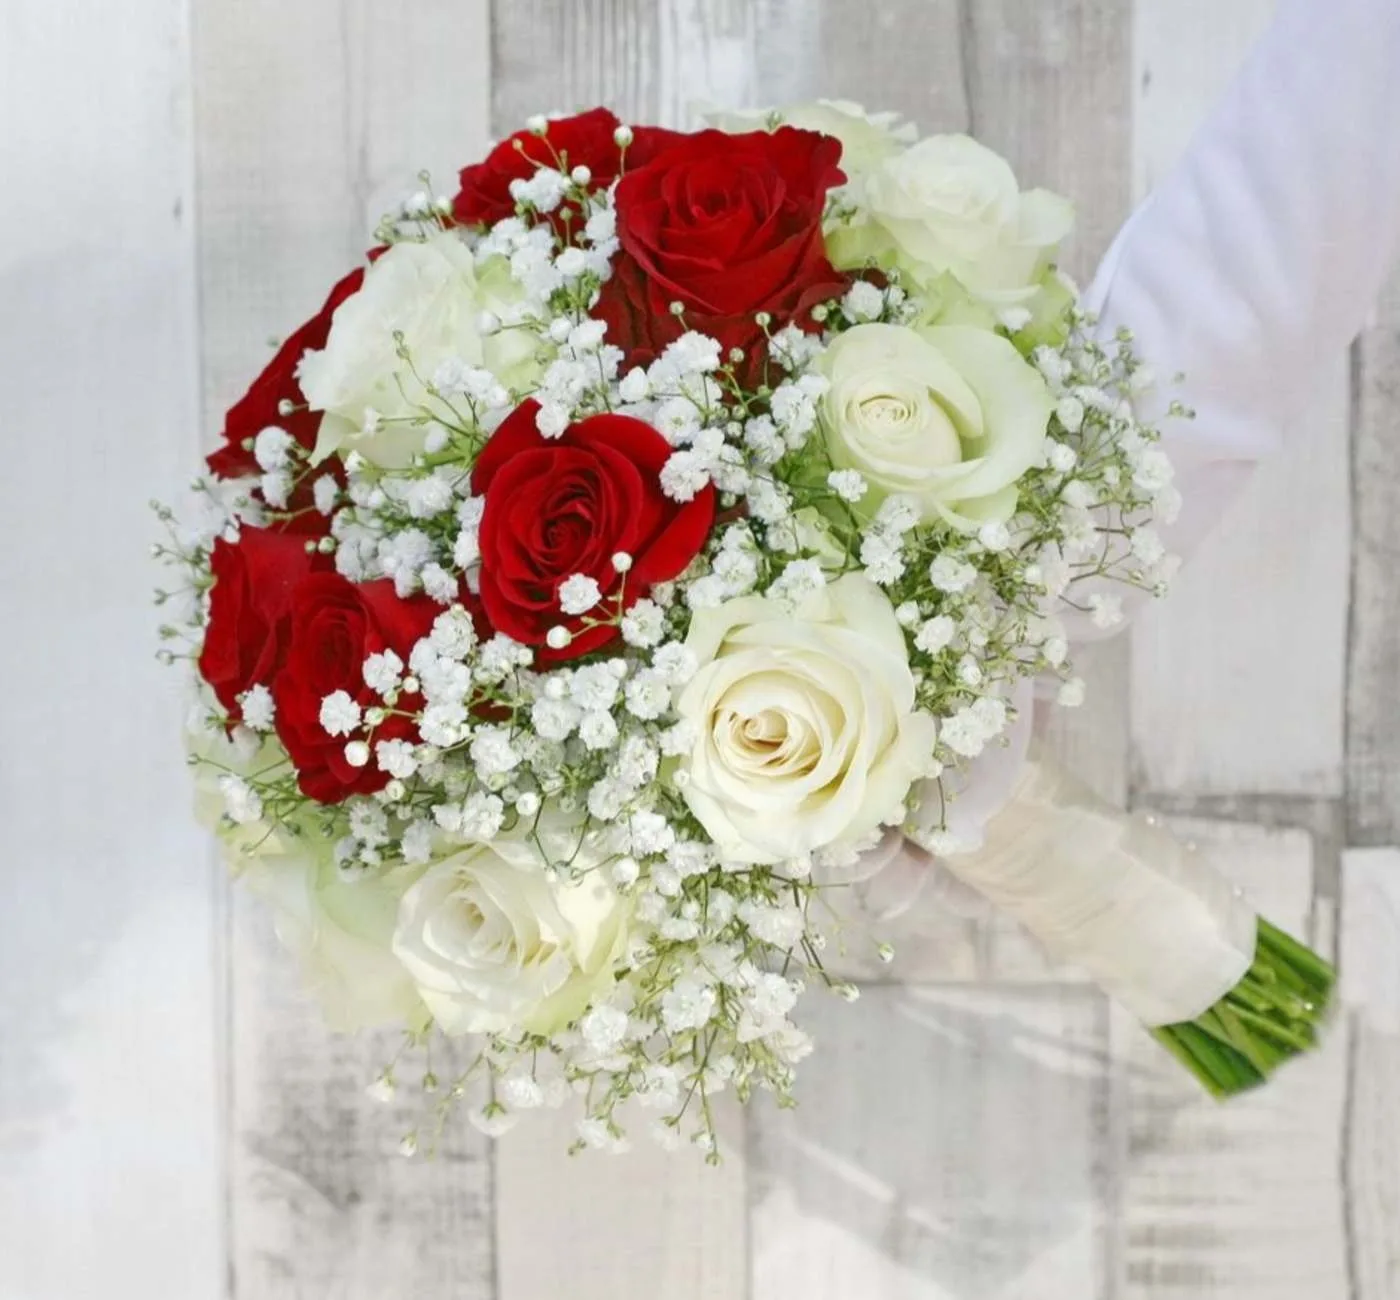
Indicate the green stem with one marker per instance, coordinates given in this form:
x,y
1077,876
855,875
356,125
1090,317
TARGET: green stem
x,y
1270,1016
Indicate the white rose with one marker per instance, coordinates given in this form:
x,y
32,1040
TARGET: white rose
x,y
340,931
493,945
949,205
867,139
950,416
805,723
433,294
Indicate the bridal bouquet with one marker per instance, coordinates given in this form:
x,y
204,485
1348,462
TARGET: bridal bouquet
x,y
638,550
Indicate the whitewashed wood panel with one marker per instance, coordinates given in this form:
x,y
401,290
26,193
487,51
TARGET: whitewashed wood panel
x,y
646,1223
322,1204
1373,688
1237,1200
901,56
643,1223
1208,677
649,60
949,1144
311,121
1371,993
1050,87
109,1153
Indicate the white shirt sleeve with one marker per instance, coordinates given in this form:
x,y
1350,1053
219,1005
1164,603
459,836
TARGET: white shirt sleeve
x,y
1261,253
1264,250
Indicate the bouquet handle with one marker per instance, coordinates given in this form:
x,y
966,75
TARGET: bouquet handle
x,y
1158,928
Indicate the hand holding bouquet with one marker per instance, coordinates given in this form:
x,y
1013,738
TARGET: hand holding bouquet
x,y
639,547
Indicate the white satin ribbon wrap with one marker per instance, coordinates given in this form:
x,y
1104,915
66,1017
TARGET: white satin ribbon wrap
x,y
1113,893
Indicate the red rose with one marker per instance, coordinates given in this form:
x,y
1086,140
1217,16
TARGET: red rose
x,y
253,583
258,408
585,139
728,225
335,626
562,506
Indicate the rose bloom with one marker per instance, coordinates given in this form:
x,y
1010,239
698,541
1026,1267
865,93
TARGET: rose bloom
x,y
493,945
728,226
433,294
249,609
335,626
950,416
807,735
260,407
556,507
949,205
585,139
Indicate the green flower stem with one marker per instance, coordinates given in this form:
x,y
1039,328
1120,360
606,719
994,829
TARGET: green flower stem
x,y
1273,1013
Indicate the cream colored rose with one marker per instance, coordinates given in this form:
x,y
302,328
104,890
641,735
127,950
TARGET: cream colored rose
x,y
948,415
807,733
949,205
492,944
867,139
433,294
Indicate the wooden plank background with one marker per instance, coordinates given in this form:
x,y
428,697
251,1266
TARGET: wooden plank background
x,y
173,1120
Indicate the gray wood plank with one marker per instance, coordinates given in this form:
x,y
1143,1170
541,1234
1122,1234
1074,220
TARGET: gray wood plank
x,y
109,1121
550,55
1370,950
656,61
1373,659
1050,87
322,1203
642,1223
311,120
900,56
947,1143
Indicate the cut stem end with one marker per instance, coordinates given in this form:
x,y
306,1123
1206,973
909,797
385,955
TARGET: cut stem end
x,y
1273,1014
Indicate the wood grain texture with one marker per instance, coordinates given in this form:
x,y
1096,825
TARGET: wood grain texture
x,y
1239,1199
1050,87
109,1130
649,60
1370,951
1207,674
1373,656
902,56
311,120
643,1223
322,1202
947,1143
